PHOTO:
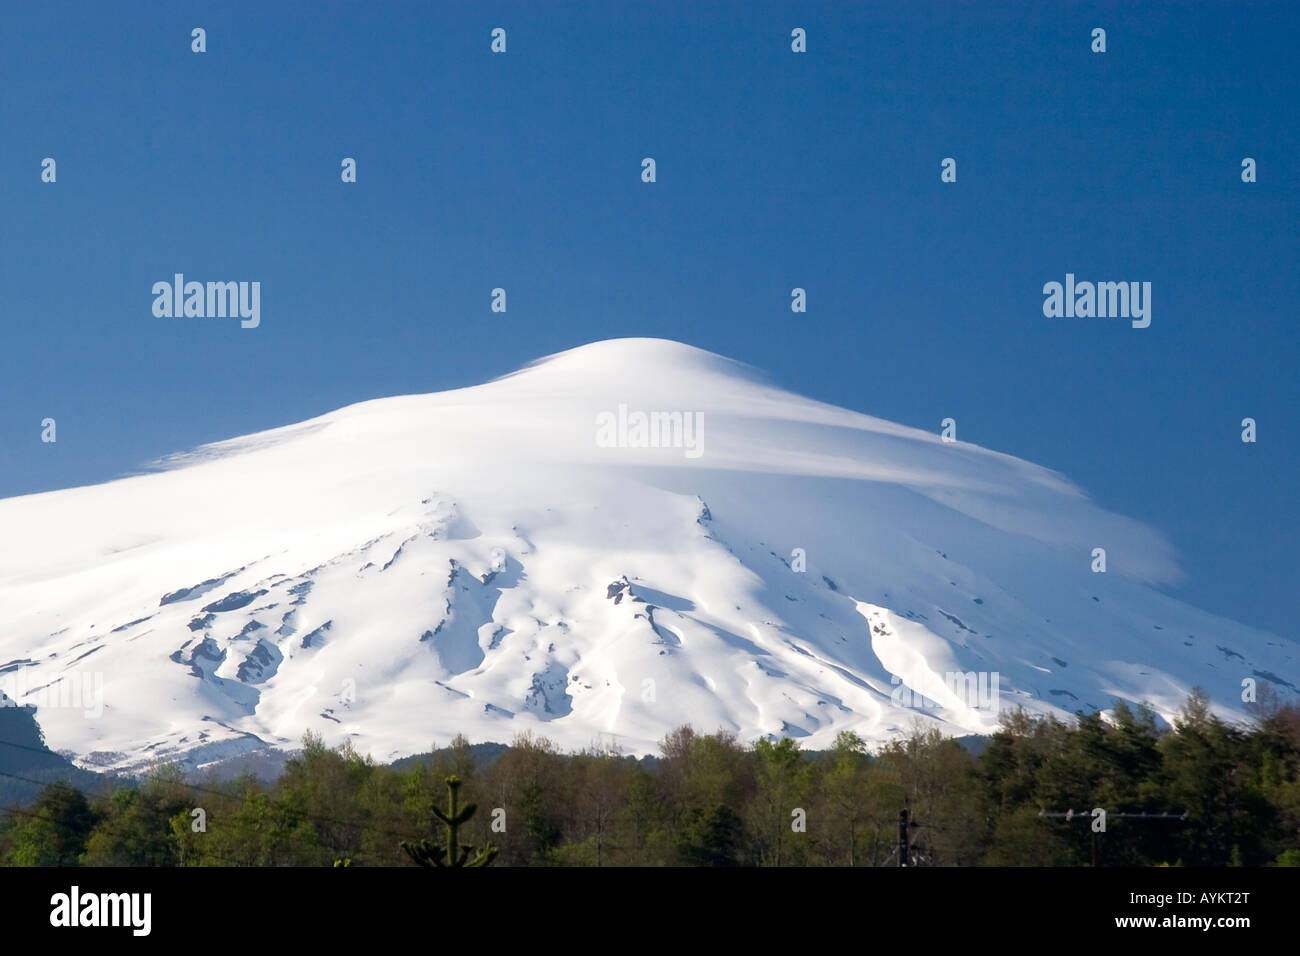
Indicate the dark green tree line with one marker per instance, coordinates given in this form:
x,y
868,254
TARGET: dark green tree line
x,y
708,800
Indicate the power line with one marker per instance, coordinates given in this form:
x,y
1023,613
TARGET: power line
x,y
1086,815
1070,816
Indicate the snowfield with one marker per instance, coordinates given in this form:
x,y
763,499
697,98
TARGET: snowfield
x,y
475,561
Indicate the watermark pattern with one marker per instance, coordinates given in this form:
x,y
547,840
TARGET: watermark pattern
x,y
977,690
1102,300
73,690
657,429
216,300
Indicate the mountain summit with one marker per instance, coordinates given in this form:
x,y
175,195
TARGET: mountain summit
x,y
543,552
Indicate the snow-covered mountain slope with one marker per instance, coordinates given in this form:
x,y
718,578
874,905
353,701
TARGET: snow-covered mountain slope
x,y
481,561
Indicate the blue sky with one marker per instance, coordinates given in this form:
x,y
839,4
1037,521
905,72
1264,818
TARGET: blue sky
x,y
775,170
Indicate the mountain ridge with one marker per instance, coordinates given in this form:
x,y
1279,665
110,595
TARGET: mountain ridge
x,y
408,568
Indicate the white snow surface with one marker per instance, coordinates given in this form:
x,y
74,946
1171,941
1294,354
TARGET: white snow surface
x,y
473,561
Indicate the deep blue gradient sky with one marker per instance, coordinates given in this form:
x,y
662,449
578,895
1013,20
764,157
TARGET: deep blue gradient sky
x,y
775,170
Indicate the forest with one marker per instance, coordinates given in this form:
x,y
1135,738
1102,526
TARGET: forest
x,y
1201,792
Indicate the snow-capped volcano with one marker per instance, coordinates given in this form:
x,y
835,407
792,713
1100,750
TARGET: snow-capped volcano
x,y
518,555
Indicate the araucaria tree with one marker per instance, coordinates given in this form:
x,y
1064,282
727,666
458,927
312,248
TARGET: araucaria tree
x,y
453,854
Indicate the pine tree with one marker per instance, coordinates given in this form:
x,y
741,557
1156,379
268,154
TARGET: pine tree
x,y
453,854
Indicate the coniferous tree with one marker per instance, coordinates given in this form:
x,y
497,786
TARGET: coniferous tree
x,y
452,854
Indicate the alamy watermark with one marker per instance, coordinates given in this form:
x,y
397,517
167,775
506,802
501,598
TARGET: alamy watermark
x,y
1104,300
979,691
130,910
636,429
213,300
74,690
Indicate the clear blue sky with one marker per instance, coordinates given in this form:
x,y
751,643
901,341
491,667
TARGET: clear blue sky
x,y
775,170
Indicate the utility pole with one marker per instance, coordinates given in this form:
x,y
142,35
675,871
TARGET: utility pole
x,y
902,837
905,823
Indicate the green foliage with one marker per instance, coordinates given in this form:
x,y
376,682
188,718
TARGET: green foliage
x,y
452,854
134,828
710,837
55,830
709,801
783,781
